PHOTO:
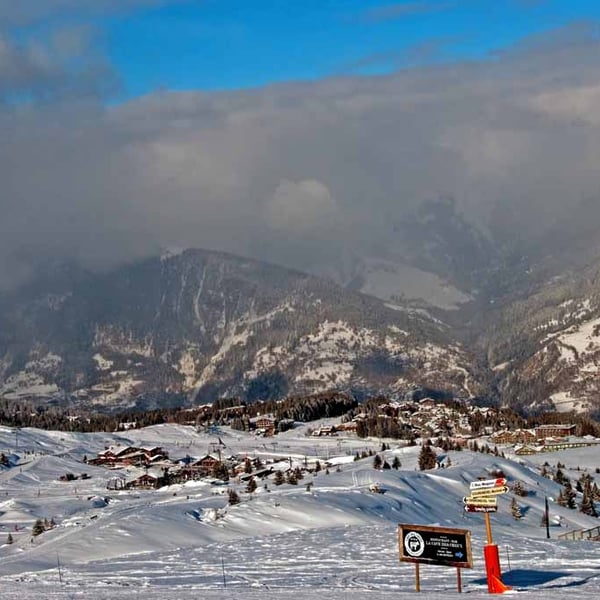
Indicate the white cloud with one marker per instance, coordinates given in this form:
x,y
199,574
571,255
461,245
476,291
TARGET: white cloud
x,y
302,207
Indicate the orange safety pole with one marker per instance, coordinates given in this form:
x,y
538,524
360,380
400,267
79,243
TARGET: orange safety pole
x,y
492,562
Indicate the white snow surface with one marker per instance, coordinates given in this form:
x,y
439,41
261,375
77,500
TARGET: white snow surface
x,y
338,541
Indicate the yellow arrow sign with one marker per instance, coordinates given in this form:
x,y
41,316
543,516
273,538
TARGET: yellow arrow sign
x,y
503,489
481,501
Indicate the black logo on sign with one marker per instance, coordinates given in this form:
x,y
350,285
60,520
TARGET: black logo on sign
x,y
414,544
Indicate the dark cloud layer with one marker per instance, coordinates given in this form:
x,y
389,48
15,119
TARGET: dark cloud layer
x,y
294,173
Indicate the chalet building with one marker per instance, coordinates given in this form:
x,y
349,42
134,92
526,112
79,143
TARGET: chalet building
x,y
264,424
524,436
205,465
349,427
147,481
526,450
554,431
117,456
503,437
553,446
520,436
427,403
325,431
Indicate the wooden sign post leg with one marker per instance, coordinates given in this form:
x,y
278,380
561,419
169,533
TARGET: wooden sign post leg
x,y
458,580
417,578
488,528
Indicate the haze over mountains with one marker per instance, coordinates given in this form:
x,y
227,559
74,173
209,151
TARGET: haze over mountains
x,y
446,309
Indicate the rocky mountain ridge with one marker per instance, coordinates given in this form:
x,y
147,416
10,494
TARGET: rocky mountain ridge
x,y
199,325
447,308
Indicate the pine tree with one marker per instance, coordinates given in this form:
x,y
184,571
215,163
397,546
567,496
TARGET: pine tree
x,y
570,495
234,497
586,505
396,464
220,471
377,462
559,476
38,527
9,539
587,502
247,466
317,466
515,509
292,479
518,489
278,478
251,485
426,458
562,499
386,465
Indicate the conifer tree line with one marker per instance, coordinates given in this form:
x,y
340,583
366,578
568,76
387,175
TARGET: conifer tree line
x,y
567,497
237,413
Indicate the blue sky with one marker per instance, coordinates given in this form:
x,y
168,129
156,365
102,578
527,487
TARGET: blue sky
x,y
236,44
225,44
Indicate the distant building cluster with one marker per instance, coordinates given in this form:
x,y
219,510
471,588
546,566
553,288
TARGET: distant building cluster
x,y
159,470
544,438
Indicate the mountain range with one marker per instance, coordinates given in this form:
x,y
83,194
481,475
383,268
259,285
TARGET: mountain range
x,y
446,309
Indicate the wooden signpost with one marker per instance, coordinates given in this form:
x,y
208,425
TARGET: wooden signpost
x,y
435,546
482,499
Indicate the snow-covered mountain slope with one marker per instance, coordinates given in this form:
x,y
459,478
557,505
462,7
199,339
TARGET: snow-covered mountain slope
x,y
200,324
545,347
337,537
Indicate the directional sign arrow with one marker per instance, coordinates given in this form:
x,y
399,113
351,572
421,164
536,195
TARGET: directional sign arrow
x,y
458,554
483,501
501,489
487,483
480,509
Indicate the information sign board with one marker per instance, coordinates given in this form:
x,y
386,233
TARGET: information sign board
x,y
435,545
